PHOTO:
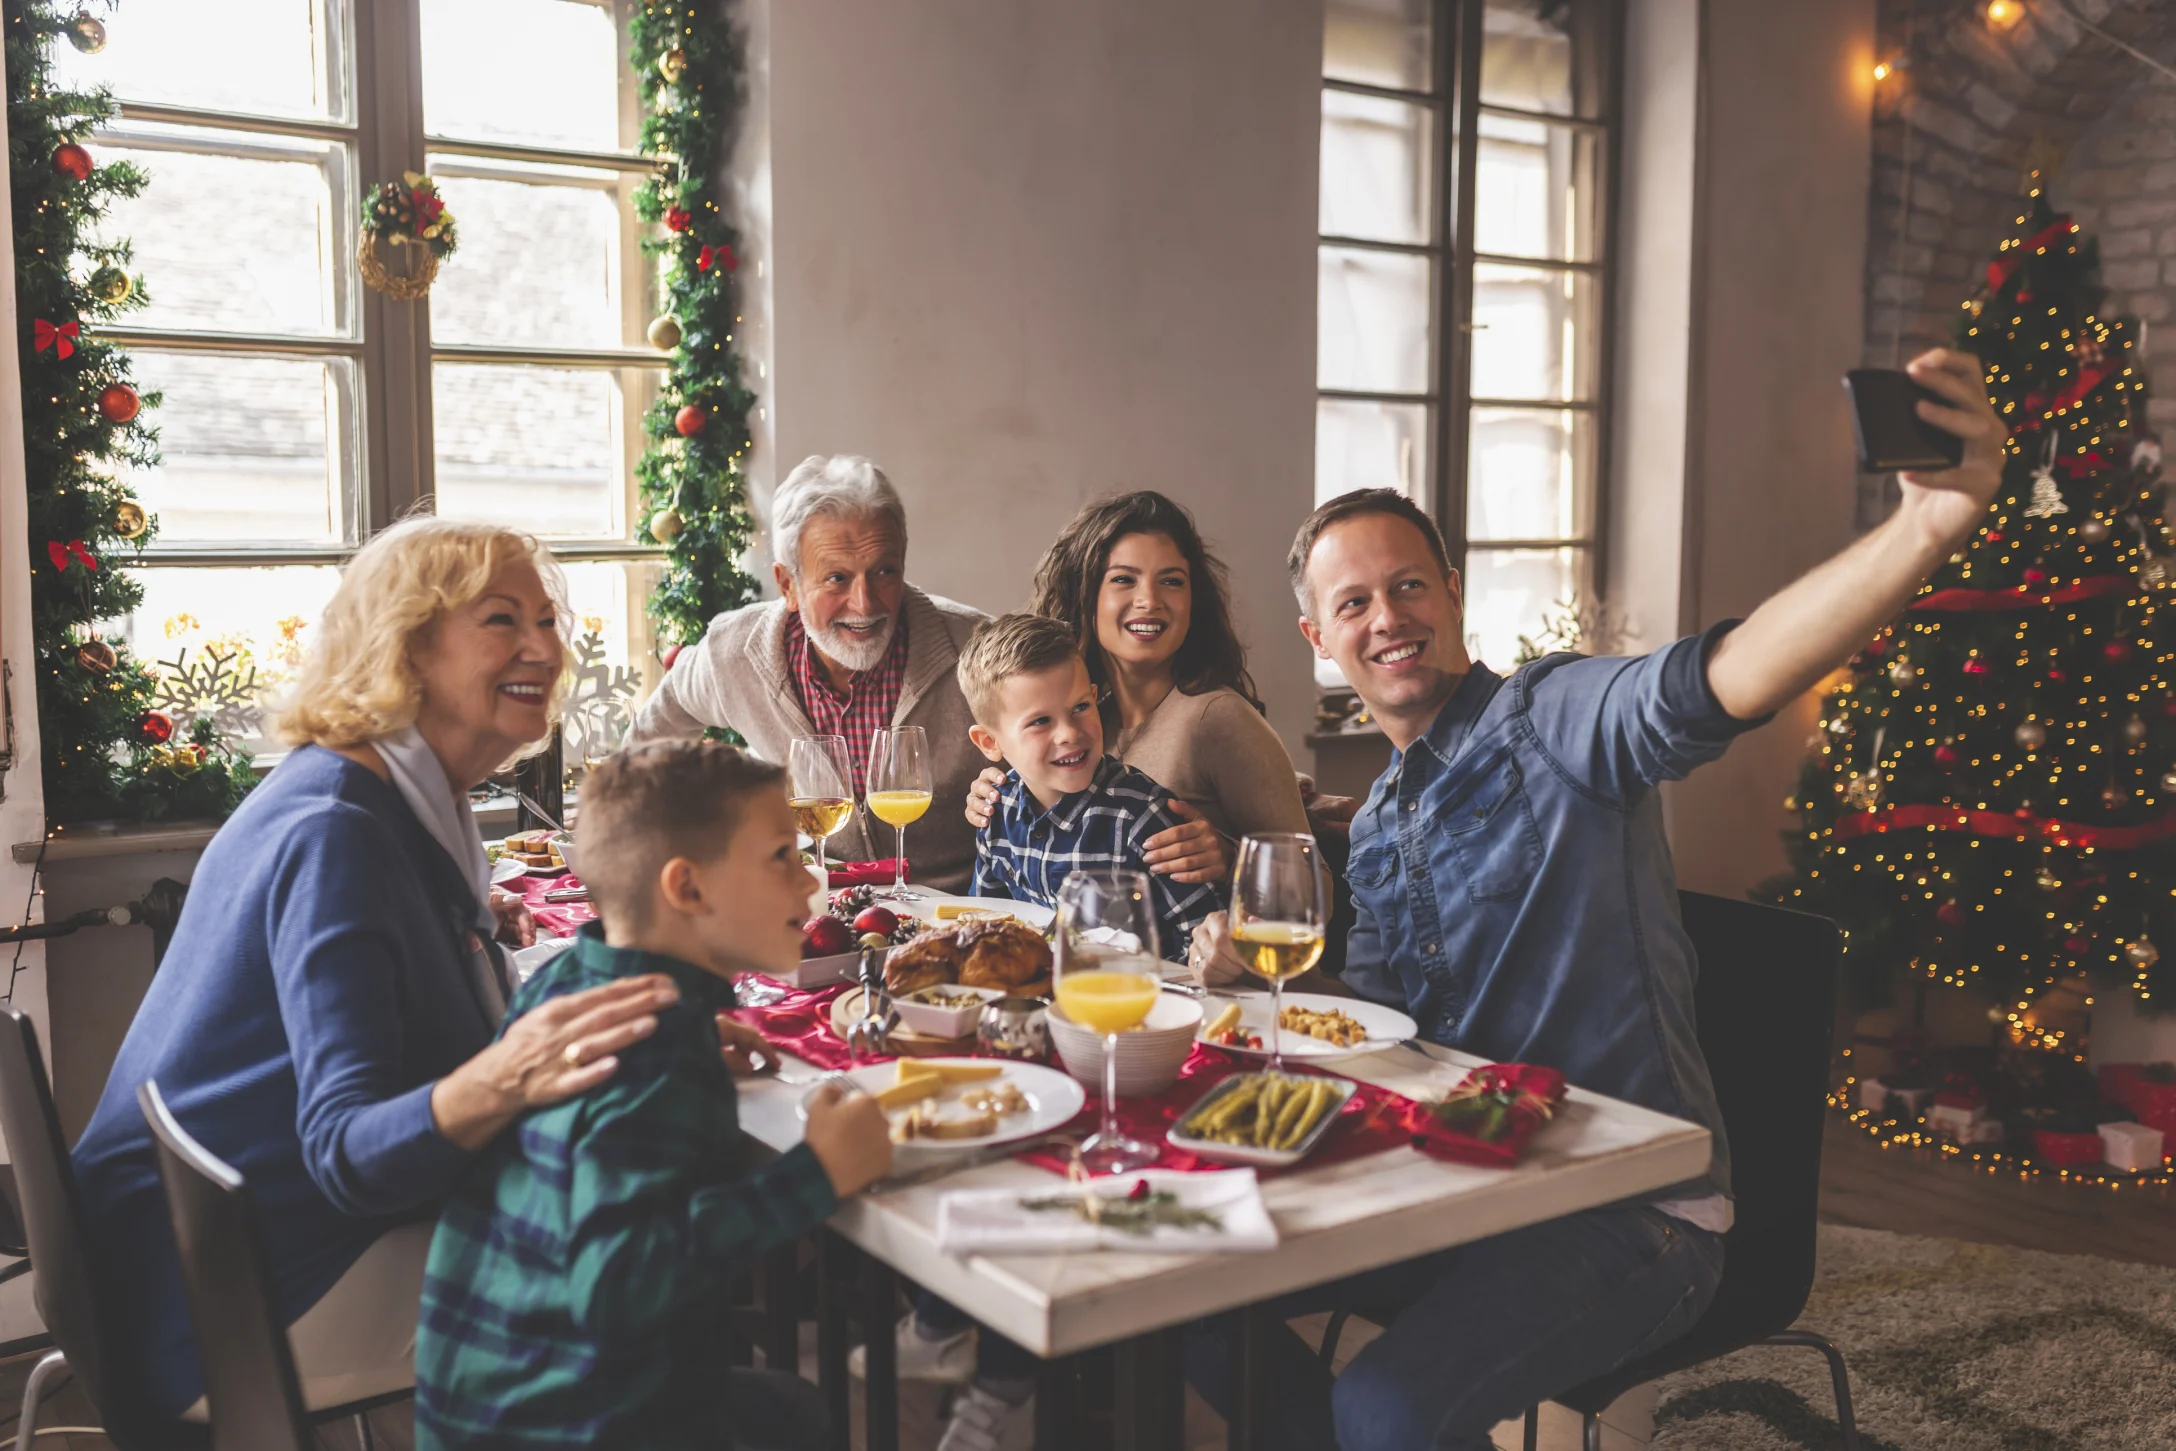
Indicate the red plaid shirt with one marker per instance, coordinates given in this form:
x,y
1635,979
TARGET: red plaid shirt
x,y
870,699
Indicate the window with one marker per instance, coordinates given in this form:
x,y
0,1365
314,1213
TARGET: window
x,y
303,412
1463,266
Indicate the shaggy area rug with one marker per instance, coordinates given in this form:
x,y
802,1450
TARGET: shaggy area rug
x,y
1952,1347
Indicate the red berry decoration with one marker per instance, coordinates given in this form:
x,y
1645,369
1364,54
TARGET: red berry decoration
x,y
119,403
155,727
72,161
1950,913
2115,652
689,421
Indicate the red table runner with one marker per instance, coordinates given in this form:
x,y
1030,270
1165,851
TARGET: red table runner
x,y
561,918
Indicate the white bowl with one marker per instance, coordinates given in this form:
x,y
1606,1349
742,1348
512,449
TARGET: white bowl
x,y
939,1022
1149,1057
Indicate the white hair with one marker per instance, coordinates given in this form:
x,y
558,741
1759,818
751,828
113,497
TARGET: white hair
x,y
841,484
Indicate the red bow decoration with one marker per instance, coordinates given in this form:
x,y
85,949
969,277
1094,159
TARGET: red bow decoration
x,y
721,254
1999,270
74,549
62,339
677,219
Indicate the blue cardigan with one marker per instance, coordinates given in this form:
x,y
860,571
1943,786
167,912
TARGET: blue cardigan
x,y
315,989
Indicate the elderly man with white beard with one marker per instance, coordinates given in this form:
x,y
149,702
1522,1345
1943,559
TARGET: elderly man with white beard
x,y
848,648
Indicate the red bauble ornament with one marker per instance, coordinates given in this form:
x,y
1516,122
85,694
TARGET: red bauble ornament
x,y
1994,536
2115,652
2036,576
1974,667
155,727
2077,946
119,403
1950,913
689,421
677,219
1945,754
72,161
672,653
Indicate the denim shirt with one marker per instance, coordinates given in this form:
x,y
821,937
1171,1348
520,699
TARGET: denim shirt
x,y
1514,885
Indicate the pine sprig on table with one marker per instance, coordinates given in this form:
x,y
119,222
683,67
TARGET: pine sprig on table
x,y
693,480
91,710
1135,1214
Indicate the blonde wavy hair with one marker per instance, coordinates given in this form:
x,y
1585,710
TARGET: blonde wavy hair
x,y
359,681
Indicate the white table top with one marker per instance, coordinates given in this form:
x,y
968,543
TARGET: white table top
x,y
1334,1221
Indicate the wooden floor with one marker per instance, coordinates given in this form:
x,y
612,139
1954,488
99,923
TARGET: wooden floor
x,y
1906,1191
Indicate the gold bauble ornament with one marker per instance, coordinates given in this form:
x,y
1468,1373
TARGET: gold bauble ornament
x,y
2093,531
672,65
97,656
129,520
2141,951
86,33
665,525
2135,729
664,333
110,285
2031,735
2168,783
1902,672
2046,880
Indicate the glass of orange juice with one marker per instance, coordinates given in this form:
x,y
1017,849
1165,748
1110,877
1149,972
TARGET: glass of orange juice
x,y
899,790
1107,977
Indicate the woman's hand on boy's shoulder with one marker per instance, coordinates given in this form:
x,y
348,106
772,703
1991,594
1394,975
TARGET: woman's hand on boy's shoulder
x,y
1192,851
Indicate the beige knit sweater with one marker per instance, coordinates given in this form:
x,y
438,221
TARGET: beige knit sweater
x,y
737,677
1216,753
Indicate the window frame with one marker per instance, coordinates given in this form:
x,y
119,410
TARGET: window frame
x,y
379,45
1454,100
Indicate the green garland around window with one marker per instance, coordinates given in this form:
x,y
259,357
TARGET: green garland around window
x,y
693,473
107,751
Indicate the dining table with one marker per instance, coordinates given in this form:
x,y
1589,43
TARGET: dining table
x,y
1334,1219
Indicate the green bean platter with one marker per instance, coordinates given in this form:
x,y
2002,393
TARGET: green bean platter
x,y
1264,1119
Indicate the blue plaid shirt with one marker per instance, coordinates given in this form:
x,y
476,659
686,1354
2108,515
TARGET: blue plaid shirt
x,y
1025,851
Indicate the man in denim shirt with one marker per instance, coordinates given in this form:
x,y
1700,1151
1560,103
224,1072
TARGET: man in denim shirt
x,y
1515,894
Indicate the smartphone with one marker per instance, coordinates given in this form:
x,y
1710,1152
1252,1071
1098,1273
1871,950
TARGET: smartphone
x,y
1891,434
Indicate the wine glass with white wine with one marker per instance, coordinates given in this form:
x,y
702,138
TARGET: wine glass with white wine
x,y
823,791
1107,978
899,791
1280,908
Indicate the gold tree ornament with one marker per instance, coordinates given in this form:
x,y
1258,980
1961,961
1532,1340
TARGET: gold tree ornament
x,y
672,65
86,33
129,519
97,656
110,285
665,525
664,333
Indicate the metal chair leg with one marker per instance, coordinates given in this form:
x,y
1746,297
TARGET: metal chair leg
x,y
50,1364
1332,1332
1532,1440
1591,1427
362,1433
1846,1420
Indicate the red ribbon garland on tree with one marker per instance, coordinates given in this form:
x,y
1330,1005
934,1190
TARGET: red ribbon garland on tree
x,y
61,553
61,339
2023,597
2017,826
2002,268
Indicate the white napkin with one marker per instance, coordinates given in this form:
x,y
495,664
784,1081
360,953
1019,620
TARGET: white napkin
x,y
993,1222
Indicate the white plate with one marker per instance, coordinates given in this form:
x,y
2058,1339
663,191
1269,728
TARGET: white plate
x,y
1386,1027
1028,912
505,869
1052,1097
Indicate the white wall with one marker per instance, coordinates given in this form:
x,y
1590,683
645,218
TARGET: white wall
x,y
1027,252
1769,323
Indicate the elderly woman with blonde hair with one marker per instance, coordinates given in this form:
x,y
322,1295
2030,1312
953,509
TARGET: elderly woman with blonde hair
x,y
324,1018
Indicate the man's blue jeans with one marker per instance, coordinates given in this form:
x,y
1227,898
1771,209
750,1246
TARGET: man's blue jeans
x,y
1475,1335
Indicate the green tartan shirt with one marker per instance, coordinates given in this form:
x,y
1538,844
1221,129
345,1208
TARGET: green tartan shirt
x,y
576,1289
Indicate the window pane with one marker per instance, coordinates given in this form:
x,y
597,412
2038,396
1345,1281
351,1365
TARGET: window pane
x,y
533,72
611,646
545,449
1526,60
1527,474
286,269
1372,321
1376,179
1535,190
256,450
263,57
1378,42
1370,446
1534,333
1509,592
223,639
540,264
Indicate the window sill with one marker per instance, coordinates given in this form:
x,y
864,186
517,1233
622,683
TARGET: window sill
x,y
85,842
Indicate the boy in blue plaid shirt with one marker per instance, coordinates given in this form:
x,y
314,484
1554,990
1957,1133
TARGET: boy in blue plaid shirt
x,y
576,1288
1065,805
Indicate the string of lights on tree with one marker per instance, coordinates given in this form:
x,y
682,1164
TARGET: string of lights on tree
x,y
692,475
1991,798
107,752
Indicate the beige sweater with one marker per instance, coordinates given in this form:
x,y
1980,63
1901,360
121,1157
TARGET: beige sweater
x,y
1215,752
737,677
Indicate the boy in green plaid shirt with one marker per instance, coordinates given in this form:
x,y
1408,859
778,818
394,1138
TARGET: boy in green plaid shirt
x,y
575,1294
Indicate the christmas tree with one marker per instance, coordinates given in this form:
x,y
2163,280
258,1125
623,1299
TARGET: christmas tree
x,y
107,753
1991,800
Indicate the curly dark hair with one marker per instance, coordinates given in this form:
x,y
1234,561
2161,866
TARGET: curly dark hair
x,y
1070,578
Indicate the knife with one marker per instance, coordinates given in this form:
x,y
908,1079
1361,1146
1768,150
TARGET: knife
x,y
975,1160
